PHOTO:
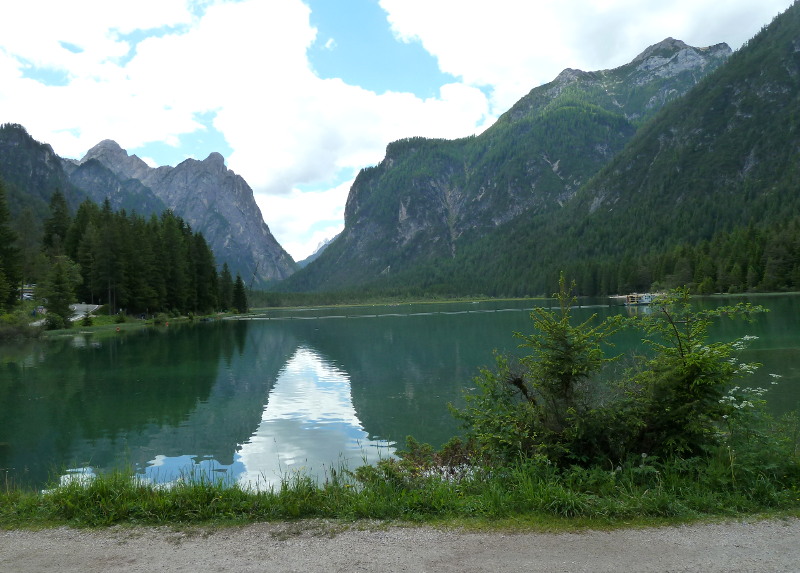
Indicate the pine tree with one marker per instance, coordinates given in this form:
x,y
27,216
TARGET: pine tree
x,y
225,288
57,225
10,264
239,295
5,288
59,291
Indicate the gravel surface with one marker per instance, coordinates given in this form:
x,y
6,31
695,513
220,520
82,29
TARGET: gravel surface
x,y
751,546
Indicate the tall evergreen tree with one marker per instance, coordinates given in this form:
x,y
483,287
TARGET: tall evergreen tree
x,y
10,263
174,261
225,288
239,295
59,291
205,273
57,224
33,262
5,289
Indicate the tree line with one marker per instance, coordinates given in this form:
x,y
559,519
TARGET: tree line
x,y
132,264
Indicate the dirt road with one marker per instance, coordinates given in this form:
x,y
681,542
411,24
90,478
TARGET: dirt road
x,y
329,547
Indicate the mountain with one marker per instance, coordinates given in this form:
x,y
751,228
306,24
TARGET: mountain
x,y
32,171
100,183
205,194
213,200
704,194
728,151
429,200
315,255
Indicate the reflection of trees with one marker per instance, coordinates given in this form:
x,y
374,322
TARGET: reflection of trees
x,y
404,370
128,397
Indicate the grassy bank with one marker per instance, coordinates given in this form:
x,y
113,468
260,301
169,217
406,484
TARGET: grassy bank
x,y
530,493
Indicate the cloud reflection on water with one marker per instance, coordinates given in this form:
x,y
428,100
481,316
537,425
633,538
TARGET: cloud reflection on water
x,y
308,425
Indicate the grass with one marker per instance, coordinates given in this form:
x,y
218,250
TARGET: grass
x,y
528,495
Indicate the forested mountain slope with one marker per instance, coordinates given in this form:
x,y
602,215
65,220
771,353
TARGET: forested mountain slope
x,y
428,201
706,192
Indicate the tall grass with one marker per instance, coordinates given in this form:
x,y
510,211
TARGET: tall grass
x,y
530,489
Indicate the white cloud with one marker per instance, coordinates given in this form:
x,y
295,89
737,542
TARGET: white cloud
x,y
301,230
513,46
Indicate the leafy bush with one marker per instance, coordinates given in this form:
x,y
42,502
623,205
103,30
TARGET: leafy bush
x,y
674,400
669,403
540,404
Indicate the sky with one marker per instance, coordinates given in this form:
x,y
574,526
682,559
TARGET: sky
x,y
299,95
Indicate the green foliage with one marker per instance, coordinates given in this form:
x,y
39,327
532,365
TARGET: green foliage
x,y
56,225
10,264
133,265
675,394
538,406
59,290
554,402
141,266
225,288
239,295
17,324
533,490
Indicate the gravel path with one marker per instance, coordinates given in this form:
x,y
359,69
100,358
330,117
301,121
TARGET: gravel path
x,y
747,546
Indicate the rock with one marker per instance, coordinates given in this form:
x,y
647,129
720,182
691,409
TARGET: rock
x,y
212,199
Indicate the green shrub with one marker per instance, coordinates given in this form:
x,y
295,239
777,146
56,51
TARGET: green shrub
x,y
669,403
538,405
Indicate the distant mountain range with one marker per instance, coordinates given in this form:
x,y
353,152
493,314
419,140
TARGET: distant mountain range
x,y
207,195
429,200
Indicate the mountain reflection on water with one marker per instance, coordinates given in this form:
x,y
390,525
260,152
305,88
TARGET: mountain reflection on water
x,y
308,426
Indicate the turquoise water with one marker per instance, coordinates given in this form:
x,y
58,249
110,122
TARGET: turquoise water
x,y
256,400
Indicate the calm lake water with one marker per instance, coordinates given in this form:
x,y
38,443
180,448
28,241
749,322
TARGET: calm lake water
x,y
255,400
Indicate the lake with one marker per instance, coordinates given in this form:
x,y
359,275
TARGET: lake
x,y
289,390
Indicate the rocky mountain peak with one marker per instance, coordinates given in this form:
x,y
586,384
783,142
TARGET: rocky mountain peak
x,y
114,157
670,58
570,75
667,45
208,196
107,149
216,162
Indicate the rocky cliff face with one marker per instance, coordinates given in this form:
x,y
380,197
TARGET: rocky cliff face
x,y
661,73
208,196
100,183
429,198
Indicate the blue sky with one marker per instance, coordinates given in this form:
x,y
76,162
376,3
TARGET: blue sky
x,y
298,95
